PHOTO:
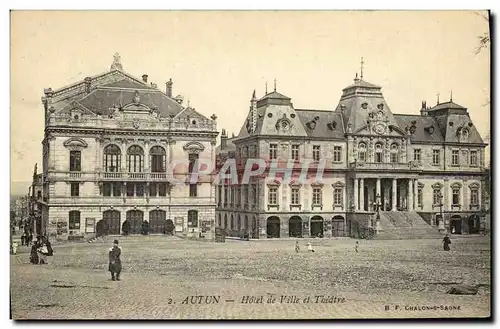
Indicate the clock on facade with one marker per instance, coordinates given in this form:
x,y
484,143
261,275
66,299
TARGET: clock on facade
x,y
380,128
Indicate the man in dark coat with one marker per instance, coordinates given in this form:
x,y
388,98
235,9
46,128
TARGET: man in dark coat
x,y
446,243
115,263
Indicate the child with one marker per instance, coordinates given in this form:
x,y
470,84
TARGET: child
x,y
14,247
309,247
297,247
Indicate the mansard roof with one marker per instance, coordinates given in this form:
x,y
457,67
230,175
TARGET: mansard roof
x,y
321,123
423,131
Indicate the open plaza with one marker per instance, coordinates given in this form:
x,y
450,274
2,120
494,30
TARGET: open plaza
x,y
168,277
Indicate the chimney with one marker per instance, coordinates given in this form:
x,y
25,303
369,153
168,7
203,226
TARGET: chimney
x,y
145,78
169,88
223,139
88,82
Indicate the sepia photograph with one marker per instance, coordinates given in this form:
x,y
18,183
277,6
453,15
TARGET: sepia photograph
x,y
250,164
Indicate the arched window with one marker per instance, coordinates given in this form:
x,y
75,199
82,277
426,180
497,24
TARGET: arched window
x,y
74,220
135,158
158,159
378,153
394,153
362,152
193,218
112,158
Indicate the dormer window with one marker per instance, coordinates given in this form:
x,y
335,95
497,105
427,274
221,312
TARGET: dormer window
x,y
430,130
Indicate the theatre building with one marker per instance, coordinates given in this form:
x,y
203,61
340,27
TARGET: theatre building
x,y
109,141
398,175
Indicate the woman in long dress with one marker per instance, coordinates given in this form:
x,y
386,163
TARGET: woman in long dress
x,y
446,243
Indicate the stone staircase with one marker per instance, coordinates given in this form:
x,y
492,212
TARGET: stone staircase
x,y
401,225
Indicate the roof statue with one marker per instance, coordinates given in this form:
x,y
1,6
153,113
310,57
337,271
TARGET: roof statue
x,y
117,62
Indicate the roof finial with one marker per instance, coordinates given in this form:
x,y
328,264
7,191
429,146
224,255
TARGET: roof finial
x,y
362,62
437,98
117,64
356,79
266,87
451,96
274,84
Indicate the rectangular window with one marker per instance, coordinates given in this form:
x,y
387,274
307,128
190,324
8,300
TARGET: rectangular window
x,y
455,196
295,196
378,157
117,189
420,197
337,153
192,162
153,189
106,189
317,196
273,196
362,156
193,190
316,152
273,151
130,189
75,189
417,154
75,161
394,157
139,189
436,196
162,189
435,157
454,158
338,194
473,158
192,218
74,220
474,197
295,152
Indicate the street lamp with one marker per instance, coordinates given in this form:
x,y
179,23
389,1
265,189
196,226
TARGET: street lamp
x,y
441,219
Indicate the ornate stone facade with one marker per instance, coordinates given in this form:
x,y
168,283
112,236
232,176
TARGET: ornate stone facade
x,y
109,142
426,168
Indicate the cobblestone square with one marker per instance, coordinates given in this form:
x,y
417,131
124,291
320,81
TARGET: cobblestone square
x,y
164,277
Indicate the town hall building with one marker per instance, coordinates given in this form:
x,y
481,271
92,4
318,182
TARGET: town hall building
x,y
397,175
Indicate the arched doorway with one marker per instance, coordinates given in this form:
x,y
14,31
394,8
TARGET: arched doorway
x,y
338,226
135,218
456,224
111,219
273,227
317,226
157,221
295,227
474,224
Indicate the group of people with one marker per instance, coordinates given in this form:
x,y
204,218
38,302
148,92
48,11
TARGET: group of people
x,y
309,247
26,239
40,250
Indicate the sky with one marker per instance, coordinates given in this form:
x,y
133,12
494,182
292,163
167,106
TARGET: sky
x,y
217,58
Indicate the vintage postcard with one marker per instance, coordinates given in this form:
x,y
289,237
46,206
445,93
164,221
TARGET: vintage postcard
x,y
250,165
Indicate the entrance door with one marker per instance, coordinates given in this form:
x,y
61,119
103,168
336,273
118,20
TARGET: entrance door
x,y
474,224
317,227
295,227
456,225
111,219
157,221
135,218
338,226
273,227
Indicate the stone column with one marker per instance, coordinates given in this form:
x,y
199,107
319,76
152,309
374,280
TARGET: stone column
x,y
394,194
356,204
415,194
410,195
361,194
378,192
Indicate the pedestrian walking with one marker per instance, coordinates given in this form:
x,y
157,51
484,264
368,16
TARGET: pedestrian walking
x,y
23,239
34,255
446,243
115,263
309,247
42,251
297,247
356,246
14,247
